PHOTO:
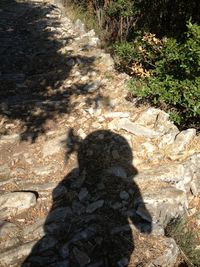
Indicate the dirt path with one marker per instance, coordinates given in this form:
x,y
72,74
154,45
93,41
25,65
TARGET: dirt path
x,y
87,178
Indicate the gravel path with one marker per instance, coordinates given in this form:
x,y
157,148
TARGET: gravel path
x,y
87,178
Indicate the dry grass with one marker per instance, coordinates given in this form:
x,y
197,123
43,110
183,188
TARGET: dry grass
x,y
75,12
186,232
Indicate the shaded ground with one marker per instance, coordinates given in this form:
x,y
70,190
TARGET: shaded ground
x,y
93,209
34,68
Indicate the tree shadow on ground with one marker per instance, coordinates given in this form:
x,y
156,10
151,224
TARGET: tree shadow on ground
x,y
93,211
34,69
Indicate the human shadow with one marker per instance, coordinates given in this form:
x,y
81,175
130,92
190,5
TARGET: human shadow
x,y
93,215
37,63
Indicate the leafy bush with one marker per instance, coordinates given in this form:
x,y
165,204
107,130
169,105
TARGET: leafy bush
x,y
174,82
121,8
145,50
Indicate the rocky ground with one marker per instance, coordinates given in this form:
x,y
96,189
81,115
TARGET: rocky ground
x,y
87,178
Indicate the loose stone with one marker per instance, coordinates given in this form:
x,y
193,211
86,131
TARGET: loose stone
x,y
92,87
83,194
94,206
8,230
118,171
182,140
124,195
136,129
34,231
15,203
13,256
117,115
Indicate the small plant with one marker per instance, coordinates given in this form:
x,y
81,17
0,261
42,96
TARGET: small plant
x,y
121,8
79,11
143,51
186,239
124,52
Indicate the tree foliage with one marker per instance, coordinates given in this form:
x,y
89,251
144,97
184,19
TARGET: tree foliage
x,y
121,18
175,79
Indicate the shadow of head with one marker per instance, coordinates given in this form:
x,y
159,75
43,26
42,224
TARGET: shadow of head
x,y
93,211
105,150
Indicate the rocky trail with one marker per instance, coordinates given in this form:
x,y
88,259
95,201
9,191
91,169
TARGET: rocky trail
x,y
87,178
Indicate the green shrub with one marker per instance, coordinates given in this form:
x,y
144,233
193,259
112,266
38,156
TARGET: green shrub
x,y
144,50
123,52
120,8
174,81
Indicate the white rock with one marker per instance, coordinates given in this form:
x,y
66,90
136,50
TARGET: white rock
x,y
79,25
175,174
16,203
136,129
96,125
90,33
162,204
168,138
97,113
44,170
94,41
94,206
34,231
84,78
149,147
8,230
113,125
107,60
9,243
159,121
192,166
81,133
148,117
117,115
9,138
182,140
157,229
14,256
